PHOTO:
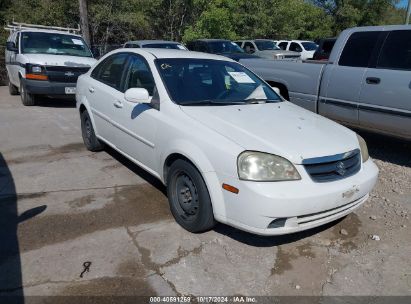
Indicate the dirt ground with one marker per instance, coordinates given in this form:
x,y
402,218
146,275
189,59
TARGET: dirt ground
x,y
62,206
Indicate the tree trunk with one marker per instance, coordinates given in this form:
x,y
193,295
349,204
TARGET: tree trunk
x,y
84,21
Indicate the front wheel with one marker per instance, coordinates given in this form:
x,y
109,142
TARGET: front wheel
x,y
189,199
26,98
13,89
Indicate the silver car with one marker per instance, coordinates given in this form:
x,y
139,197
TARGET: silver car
x,y
155,44
266,48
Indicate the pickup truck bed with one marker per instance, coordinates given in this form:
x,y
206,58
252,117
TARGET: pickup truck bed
x,y
365,84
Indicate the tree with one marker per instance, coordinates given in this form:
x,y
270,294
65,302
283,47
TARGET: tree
x,y
84,20
350,13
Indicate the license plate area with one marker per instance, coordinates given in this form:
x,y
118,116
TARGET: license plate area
x,y
70,90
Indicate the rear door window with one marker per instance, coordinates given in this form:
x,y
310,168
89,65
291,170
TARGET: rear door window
x,y
283,45
295,47
359,49
249,47
396,52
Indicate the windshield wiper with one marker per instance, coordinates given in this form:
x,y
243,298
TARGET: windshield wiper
x,y
213,103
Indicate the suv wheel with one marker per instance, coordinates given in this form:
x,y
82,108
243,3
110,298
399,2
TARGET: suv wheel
x,y
26,98
13,89
188,196
89,136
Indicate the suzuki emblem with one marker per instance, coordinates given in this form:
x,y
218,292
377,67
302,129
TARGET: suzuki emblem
x,y
341,168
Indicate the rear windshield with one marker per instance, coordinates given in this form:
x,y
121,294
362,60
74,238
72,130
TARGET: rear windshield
x,y
266,45
309,46
53,43
174,46
224,47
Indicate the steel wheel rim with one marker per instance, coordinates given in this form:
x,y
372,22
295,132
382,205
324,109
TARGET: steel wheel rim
x,y
88,128
186,196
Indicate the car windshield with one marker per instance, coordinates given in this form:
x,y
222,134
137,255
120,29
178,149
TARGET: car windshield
x,y
53,43
212,82
266,45
224,47
309,46
174,46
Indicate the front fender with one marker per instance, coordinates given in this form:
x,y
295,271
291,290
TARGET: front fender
x,y
195,155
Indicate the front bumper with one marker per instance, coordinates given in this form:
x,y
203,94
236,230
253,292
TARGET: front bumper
x,y
302,204
41,87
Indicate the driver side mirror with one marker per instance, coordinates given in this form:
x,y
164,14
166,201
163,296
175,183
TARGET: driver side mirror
x,y
137,95
11,46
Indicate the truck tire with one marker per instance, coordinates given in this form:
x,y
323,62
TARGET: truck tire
x,y
26,98
189,199
89,136
13,89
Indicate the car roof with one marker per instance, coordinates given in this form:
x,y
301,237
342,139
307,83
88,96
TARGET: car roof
x,y
380,28
171,53
294,40
24,30
212,40
143,42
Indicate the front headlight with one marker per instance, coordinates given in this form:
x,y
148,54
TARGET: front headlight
x,y
258,166
36,69
364,149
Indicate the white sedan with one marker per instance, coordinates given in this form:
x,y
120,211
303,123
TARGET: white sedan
x,y
228,148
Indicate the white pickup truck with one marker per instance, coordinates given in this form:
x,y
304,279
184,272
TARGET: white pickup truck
x,y
365,84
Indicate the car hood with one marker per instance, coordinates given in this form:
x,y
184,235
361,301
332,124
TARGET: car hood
x,y
238,56
279,128
60,60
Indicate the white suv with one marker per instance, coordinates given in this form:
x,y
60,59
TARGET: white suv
x,y
305,48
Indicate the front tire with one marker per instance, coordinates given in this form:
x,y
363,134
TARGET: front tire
x,y
90,139
26,98
189,198
13,89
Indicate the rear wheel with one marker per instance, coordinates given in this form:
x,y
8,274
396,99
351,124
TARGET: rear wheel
x,y
26,98
13,89
188,196
87,131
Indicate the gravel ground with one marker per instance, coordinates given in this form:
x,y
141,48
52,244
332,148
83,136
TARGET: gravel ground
x,y
62,206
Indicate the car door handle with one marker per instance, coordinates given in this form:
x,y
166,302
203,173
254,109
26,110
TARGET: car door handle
x,y
373,80
91,90
118,104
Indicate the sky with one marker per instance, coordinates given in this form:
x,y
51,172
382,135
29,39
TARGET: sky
x,y
403,3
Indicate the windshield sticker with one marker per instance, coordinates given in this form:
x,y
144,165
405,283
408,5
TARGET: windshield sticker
x,y
241,77
77,41
165,66
227,80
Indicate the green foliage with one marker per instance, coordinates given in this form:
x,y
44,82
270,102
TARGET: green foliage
x,y
116,21
350,13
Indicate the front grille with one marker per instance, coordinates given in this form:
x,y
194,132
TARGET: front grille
x,y
333,168
292,56
310,218
65,73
